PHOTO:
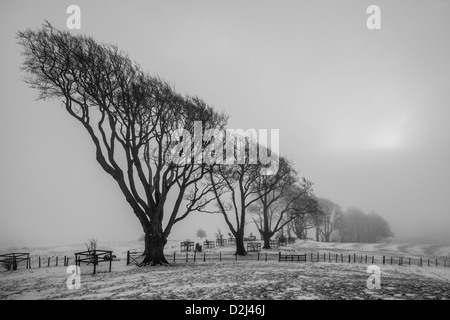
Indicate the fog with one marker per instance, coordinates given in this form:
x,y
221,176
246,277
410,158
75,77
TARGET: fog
x,y
362,113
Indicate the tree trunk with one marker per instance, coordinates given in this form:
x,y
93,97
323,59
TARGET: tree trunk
x,y
266,231
240,248
154,246
261,234
300,233
288,229
317,234
266,240
303,234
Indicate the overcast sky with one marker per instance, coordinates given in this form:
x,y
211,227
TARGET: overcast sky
x,y
362,113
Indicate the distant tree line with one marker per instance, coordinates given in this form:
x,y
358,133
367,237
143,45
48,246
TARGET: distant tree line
x,y
357,226
329,222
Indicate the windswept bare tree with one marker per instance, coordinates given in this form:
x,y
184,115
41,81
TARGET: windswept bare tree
x,y
308,219
234,185
131,118
278,195
331,217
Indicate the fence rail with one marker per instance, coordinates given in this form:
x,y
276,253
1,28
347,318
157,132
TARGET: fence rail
x,y
94,257
135,257
33,262
186,257
11,261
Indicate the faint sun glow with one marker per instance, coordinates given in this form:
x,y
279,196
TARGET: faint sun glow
x,y
385,139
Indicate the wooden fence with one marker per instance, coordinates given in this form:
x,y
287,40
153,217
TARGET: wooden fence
x,y
368,259
94,257
32,262
134,257
12,260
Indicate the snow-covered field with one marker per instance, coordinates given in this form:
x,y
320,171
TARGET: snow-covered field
x,y
243,279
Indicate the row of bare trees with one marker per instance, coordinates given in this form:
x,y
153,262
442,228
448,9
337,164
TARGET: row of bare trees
x,y
130,117
133,120
328,222
322,221
358,226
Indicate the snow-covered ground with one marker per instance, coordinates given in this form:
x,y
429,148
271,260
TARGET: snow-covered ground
x,y
243,279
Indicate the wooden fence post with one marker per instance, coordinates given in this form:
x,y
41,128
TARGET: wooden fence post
x,y
384,259
220,255
354,257
204,256
48,265
186,257
391,260
336,258
95,262
318,257
39,261
56,260
195,255
342,257
373,259
258,255
349,259
312,257
420,261
128,257
428,262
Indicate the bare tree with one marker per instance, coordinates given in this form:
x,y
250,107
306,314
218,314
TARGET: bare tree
x,y
331,217
201,233
235,189
131,118
219,234
91,245
277,202
308,218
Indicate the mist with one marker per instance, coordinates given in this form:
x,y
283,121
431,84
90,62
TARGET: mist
x,y
362,113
